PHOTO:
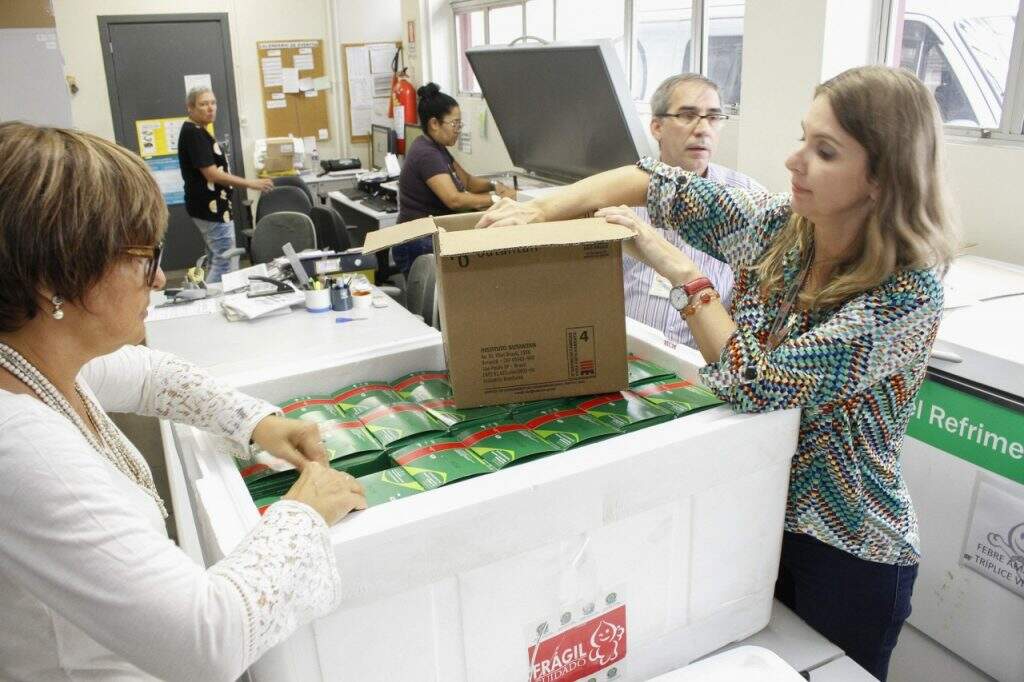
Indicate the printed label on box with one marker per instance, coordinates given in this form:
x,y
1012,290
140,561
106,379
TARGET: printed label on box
x,y
588,642
579,343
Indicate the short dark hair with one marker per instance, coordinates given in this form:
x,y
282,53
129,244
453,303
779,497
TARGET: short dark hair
x,y
69,203
433,104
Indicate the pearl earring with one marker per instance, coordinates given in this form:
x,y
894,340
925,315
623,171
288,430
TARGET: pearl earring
x,y
57,302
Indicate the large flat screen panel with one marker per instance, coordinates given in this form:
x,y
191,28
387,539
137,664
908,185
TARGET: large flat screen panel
x,y
563,110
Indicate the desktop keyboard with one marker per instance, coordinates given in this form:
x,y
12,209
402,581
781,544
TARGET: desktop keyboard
x,y
381,205
354,193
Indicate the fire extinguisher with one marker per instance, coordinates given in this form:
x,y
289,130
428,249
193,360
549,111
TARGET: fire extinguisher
x,y
402,107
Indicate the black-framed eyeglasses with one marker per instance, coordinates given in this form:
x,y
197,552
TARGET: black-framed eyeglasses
x,y
152,254
715,119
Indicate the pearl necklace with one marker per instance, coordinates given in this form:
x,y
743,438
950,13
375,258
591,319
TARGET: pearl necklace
x,y
110,443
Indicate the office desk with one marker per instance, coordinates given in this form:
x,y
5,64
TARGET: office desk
x,y
360,216
323,185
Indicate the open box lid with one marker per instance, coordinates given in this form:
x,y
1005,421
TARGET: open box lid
x,y
456,236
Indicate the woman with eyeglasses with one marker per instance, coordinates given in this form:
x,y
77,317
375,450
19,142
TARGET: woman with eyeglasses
x,y
835,308
90,585
432,182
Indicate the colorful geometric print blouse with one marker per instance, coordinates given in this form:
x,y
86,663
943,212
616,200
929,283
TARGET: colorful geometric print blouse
x,y
854,369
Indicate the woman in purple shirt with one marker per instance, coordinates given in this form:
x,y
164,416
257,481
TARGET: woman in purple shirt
x,y
432,182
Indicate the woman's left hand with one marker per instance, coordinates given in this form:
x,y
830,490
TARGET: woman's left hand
x,y
293,440
650,247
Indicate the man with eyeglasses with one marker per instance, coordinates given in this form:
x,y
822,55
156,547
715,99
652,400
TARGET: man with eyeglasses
x,y
686,120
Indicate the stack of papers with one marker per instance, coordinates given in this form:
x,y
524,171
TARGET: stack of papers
x,y
241,307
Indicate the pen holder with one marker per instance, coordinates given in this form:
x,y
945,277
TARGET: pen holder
x,y
318,300
341,298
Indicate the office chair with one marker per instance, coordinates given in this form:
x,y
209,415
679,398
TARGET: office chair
x,y
331,231
285,198
277,229
295,181
420,289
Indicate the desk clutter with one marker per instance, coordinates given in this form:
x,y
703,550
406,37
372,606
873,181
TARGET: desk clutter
x,y
406,436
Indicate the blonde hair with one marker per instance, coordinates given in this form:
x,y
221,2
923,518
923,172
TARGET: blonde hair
x,y
69,203
894,117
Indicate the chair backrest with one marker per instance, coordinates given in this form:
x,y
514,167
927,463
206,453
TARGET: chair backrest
x,y
419,288
282,199
295,181
277,229
330,229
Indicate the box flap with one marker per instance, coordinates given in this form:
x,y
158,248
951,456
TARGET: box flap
x,y
378,240
458,221
565,232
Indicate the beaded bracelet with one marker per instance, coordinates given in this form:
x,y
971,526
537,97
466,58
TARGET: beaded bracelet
x,y
700,298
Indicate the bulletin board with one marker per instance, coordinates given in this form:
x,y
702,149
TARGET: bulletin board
x,y
294,85
367,69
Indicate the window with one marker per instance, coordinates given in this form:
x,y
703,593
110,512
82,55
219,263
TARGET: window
x,y
654,39
964,54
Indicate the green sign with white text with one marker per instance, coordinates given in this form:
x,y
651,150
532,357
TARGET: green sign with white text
x,y
986,434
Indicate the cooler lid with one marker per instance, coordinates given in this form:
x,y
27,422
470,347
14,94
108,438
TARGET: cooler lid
x,y
563,109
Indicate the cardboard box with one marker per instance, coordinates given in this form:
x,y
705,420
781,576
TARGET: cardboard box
x,y
527,312
280,155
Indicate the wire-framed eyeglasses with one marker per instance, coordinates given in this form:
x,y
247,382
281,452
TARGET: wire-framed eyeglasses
x,y
690,117
152,256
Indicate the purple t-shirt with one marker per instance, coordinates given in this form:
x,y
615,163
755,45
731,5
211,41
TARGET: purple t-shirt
x,y
423,160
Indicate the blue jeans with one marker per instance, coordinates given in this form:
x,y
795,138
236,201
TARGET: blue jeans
x,y
219,237
405,254
859,605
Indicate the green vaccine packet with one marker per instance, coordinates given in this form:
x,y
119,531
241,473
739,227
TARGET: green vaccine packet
x,y
388,485
344,438
624,410
444,410
679,395
356,399
392,424
501,444
419,387
437,461
363,464
644,371
534,406
317,408
567,427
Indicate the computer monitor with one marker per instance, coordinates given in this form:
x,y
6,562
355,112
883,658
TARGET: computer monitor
x,y
412,131
383,141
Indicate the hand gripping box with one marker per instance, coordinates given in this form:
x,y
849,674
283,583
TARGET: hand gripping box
x,y
527,312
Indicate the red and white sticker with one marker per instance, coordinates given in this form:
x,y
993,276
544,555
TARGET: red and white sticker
x,y
591,647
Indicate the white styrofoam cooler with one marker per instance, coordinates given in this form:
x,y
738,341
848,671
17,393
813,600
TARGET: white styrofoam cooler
x,y
683,519
736,665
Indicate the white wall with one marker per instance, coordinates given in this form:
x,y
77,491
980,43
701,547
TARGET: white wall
x,y
249,21
361,21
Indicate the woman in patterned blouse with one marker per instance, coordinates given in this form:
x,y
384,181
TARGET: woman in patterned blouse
x,y
835,308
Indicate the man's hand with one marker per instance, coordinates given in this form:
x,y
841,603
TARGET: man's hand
x,y
296,442
509,212
504,191
650,247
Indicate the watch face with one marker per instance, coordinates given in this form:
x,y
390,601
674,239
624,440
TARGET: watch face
x,y
678,298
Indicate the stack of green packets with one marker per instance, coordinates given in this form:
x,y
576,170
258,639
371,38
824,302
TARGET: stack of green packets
x,y
406,437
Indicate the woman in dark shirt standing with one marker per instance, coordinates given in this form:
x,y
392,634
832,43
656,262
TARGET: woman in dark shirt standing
x,y
432,182
207,181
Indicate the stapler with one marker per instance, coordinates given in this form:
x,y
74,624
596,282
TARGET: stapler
x,y
192,289
283,286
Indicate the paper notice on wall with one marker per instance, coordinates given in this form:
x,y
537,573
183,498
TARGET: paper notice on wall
x,y
290,80
277,95
306,84
995,540
381,57
361,120
273,53
322,83
322,133
277,104
357,60
270,67
197,80
303,62
311,93
382,85
361,92
380,111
